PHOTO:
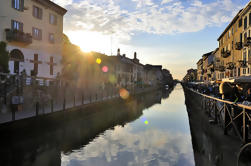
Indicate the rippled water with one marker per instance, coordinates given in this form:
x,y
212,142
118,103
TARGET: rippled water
x,y
158,134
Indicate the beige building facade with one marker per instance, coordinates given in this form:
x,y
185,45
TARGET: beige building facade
x,y
33,31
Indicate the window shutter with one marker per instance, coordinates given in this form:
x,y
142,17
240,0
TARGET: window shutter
x,y
55,20
40,13
12,24
13,3
40,34
33,13
21,25
22,5
249,18
33,33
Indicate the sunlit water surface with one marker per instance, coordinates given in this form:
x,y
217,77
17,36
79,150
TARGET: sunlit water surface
x,y
160,136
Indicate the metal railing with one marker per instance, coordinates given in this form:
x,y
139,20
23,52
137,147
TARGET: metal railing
x,y
229,114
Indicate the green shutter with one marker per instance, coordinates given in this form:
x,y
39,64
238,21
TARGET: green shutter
x,y
22,5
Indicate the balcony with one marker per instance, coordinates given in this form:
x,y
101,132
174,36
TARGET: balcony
x,y
220,68
238,45
247,42
225,54
230,66
18,36
243,63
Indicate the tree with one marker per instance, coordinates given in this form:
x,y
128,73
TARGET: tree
x,y
4,58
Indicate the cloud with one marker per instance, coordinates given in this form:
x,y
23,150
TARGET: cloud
x,y
166,1
108,17
124,145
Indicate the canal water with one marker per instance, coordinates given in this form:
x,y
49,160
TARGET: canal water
x,y
159,136
150,129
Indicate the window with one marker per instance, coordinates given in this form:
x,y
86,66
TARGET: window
x,y
53,19
37,12
240,22
51,38
36,33
244,71
232,30
249,18
18,4
245,23
51,65
229,34
16,25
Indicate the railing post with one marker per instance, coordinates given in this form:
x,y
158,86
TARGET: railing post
x,y
96,96
244,127
215,112
52,106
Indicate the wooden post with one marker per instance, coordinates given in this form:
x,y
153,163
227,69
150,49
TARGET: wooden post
x,y
37,108
52,106
225,119
64,104
244,127
74,101
13,110
83,98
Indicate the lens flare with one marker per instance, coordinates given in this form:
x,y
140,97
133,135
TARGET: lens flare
x,y
124,94
98,61
146,122
105,69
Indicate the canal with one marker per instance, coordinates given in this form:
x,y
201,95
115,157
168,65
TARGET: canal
x,y
148,129
159,136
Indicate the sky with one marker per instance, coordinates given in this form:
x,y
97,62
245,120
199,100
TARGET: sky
x,y
171,33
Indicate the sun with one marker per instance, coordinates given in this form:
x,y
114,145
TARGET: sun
x,y
90,41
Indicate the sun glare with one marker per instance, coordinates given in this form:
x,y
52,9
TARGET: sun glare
x,y
90,41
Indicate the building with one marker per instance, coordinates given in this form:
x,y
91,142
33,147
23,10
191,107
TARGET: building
x,y
191,75
33,31
230,47
206,71
200,70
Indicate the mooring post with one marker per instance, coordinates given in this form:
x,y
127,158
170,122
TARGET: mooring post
x,y
244,127
37,108
52,106
96,96
90,98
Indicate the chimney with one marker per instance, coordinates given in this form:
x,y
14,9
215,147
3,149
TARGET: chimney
x,y
118,52
135,55
124,55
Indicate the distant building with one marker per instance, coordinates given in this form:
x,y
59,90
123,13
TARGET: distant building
x,y
33,31
200,70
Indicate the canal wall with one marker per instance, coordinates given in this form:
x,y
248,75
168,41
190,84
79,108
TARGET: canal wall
x,y
40,141
53,100
211,146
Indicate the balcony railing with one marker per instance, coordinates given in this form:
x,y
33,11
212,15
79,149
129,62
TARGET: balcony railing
x,y
220,68
18,36
225,54
243,63
247,41
238,45
230,66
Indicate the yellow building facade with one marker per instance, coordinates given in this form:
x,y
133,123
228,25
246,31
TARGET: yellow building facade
x,y
33,31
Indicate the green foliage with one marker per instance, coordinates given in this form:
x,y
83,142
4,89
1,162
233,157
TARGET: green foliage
x,y
4,58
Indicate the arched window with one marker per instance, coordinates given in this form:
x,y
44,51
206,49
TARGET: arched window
x,y
16,55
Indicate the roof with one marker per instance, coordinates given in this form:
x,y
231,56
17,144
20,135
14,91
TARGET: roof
x,y
205,56
47,3
230,24
199,61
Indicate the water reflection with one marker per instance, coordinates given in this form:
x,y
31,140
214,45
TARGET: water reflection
x,y
105,135
165,140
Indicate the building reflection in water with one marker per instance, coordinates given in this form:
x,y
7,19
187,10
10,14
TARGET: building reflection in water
x,y
48,139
